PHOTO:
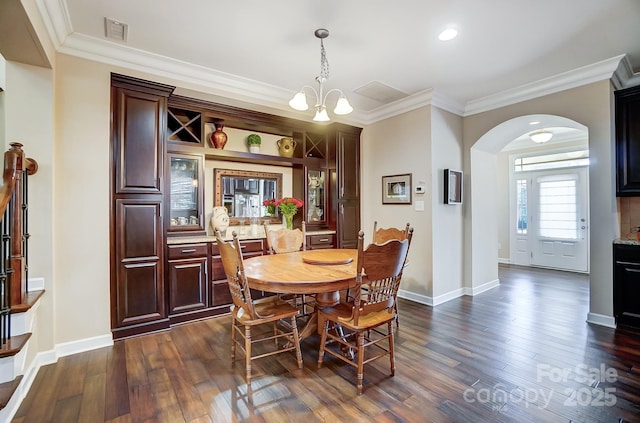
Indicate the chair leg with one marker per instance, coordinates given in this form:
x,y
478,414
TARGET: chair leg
x,y
325,330
395,307
391,351
296,339
234,328
247,348
360,343
275,334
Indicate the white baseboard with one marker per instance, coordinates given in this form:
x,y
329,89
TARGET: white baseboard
x,y
451,295
504,260
416,298
481,288
36,284
82,345
601,320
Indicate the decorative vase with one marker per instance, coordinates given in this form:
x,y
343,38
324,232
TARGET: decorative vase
x,y
287,220
220,220
286,146
218,138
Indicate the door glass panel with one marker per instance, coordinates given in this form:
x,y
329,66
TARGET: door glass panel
x,y
558,208
315,196
521,206
184,191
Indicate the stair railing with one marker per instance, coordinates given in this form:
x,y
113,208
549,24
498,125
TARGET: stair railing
x,y
14,235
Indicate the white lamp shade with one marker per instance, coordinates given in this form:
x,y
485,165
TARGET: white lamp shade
x,y
299,101
321,114
342,106
540,136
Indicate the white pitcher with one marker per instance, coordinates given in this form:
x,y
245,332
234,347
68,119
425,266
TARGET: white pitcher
x,y
220,219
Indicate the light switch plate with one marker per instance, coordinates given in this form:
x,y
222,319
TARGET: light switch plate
x,y
419,205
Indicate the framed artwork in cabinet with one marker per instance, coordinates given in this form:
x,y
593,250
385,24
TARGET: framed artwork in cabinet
x,y
396,189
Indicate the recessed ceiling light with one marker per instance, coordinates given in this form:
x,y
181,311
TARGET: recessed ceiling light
x,y
448,34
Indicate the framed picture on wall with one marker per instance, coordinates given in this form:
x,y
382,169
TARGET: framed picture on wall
x,y
396,189
452,186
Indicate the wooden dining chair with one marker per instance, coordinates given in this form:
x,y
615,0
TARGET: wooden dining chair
x,y
285,240
382,235
281,241
358,324
248,313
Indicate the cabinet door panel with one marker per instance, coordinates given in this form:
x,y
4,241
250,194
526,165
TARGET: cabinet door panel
x,y
350,225
348,165
139,293
137,141
628,141
187,284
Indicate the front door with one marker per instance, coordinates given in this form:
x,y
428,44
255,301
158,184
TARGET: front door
x,y
551,215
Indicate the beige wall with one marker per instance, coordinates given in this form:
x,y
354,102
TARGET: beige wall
x,y
590,105
28,101
81,193
447,240
398,145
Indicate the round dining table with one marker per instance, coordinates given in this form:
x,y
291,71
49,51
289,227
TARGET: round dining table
x,y
321,272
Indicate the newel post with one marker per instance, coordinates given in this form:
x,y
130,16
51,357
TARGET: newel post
x,y
19,234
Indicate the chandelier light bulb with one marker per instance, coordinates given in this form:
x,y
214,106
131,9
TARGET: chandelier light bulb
x,y
342,106
299,101
321,114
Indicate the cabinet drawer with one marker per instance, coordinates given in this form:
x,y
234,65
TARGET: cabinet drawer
x,y
248,246
187,251
321,241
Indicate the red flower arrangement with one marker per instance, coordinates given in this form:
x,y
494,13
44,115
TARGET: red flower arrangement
x,y
287,205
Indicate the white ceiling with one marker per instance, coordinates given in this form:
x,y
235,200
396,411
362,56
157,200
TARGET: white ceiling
x,y
263,52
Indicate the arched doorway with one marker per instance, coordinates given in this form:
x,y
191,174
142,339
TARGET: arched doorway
x,y
483,191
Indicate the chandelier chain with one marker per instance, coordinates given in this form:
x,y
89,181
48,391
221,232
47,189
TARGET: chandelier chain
x,y
324,63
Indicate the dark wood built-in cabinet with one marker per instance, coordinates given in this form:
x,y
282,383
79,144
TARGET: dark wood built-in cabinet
x,y
627,114
626,284
137,232
159,149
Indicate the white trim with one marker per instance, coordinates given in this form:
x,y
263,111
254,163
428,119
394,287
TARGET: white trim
x,y
36,284
451,295
574,78
417,298
601,320
473,291
82,345
504,260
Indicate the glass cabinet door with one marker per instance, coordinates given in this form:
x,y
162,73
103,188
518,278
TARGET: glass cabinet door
x,y
186,196
316,199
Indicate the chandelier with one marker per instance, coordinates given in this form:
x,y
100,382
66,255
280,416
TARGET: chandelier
x,y
299,101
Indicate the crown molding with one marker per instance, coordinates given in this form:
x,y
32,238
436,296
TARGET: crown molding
x,y
624,76
56,19
575,78
428,97
58,23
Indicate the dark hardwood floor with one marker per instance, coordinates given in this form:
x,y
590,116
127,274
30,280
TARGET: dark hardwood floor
x,y
521,352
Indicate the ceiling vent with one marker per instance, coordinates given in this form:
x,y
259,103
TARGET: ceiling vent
x,y
380,92
115,30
